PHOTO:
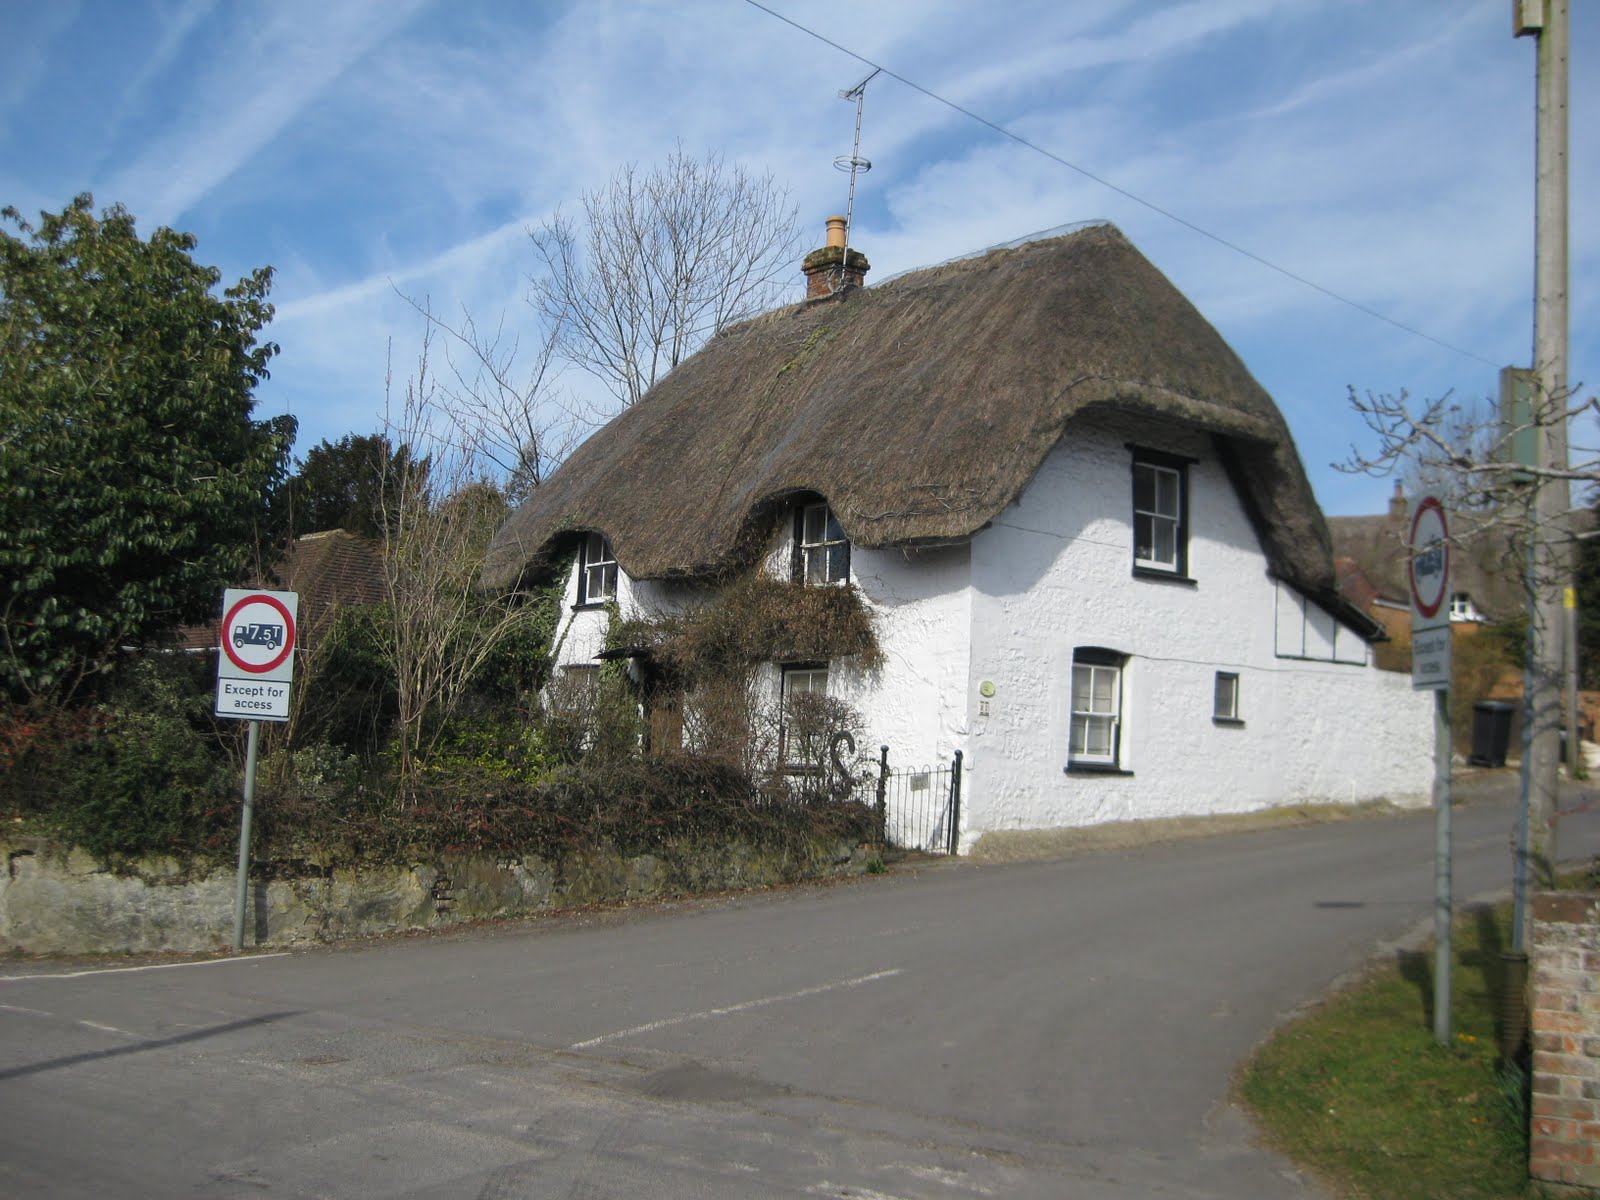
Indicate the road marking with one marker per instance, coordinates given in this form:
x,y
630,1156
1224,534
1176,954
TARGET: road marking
x,y
39,1012
107,1028
707,1014
210,962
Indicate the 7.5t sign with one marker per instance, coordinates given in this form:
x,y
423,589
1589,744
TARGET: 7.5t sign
x,y
256,663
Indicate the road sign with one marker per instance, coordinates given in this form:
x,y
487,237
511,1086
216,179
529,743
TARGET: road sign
x,y
1430,659
1428,577
256,663
1428,571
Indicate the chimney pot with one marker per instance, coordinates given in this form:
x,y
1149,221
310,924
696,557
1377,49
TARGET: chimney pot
x,y
831,267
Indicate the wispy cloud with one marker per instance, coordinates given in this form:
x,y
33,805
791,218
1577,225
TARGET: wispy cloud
x,y
370,147
27,52
238,105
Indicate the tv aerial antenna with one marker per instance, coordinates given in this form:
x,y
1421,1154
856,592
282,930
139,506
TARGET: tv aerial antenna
x,y
853,162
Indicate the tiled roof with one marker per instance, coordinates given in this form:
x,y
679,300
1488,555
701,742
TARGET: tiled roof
x,y
330,570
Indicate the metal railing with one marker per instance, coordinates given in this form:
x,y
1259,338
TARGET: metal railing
x,y
919,808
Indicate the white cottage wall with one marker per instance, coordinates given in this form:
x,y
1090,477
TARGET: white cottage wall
x,y
916,702
581,634
1054,572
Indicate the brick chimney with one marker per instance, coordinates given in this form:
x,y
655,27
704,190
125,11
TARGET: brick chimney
x,y
827,270
1397,502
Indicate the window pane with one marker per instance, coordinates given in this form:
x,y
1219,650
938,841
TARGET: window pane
x,y
838,563
813,523
816,565
1104,693
1080,688
1227,695
1097,741
1144,538
1167,492
1144,487
1166,542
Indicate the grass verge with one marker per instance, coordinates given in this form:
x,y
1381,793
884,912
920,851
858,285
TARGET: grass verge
x,y
1359,1092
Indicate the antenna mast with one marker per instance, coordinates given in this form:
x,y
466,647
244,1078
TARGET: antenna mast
x,y
853,163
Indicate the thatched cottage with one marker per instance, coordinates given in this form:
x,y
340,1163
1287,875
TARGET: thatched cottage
x,y
1090,551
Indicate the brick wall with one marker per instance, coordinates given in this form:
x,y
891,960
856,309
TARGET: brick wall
x,y
1566,1039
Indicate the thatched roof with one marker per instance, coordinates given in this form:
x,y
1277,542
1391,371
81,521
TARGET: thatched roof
x,y
919,408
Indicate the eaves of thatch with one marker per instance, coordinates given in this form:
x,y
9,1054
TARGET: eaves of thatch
x,y
919,408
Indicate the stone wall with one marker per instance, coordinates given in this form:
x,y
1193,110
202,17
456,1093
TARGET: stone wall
x,y
1566,1040
55,902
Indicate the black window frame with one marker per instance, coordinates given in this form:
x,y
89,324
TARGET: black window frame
x,y
802,550
607,564
1097,658
1178,465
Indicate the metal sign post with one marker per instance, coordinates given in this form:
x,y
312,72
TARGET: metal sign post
x,y
1429,576
254,671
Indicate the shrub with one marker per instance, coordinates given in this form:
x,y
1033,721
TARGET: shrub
x,y
145,771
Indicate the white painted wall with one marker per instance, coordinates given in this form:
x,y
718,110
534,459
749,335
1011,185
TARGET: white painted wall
x,y
916,703
1053,572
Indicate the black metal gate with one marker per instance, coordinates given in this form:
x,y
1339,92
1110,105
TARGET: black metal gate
x,y
919,808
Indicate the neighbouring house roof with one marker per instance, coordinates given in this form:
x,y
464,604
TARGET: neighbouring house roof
x,y
1354,584
919,408
330,570
1483,561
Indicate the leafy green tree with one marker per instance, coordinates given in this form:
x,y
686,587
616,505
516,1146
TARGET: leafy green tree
x,y
349,484
133,482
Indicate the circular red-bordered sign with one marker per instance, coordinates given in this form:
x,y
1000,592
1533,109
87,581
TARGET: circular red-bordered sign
x,y
246,642
1429,534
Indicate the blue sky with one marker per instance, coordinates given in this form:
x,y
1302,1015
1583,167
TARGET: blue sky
x,y
365,147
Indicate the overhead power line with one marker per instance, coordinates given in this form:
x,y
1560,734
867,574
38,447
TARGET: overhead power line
x,y
1124,192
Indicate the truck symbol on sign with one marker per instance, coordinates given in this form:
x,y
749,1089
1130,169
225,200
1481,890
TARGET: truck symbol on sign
x,y
270,636
1430,561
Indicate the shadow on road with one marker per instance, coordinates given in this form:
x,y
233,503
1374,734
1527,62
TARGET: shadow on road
x,y
197,1035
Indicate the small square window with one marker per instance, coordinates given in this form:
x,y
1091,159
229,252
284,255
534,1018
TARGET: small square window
x,y
1225,698
597,570
822,552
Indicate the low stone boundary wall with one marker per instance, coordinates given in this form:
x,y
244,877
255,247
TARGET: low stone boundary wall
x,y
1565,961
54,902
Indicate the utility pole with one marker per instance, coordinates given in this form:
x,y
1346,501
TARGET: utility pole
x,y
1548,555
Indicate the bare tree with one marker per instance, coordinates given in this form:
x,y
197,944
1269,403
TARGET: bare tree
x,y
441,627
1466,450
659,262
505,413
1473,456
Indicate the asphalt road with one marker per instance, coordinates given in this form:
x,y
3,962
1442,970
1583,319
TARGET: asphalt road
x,y
1059,1029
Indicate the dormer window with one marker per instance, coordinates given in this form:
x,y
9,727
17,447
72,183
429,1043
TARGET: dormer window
x,y
597,570
1462,608
1160,513
821,550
